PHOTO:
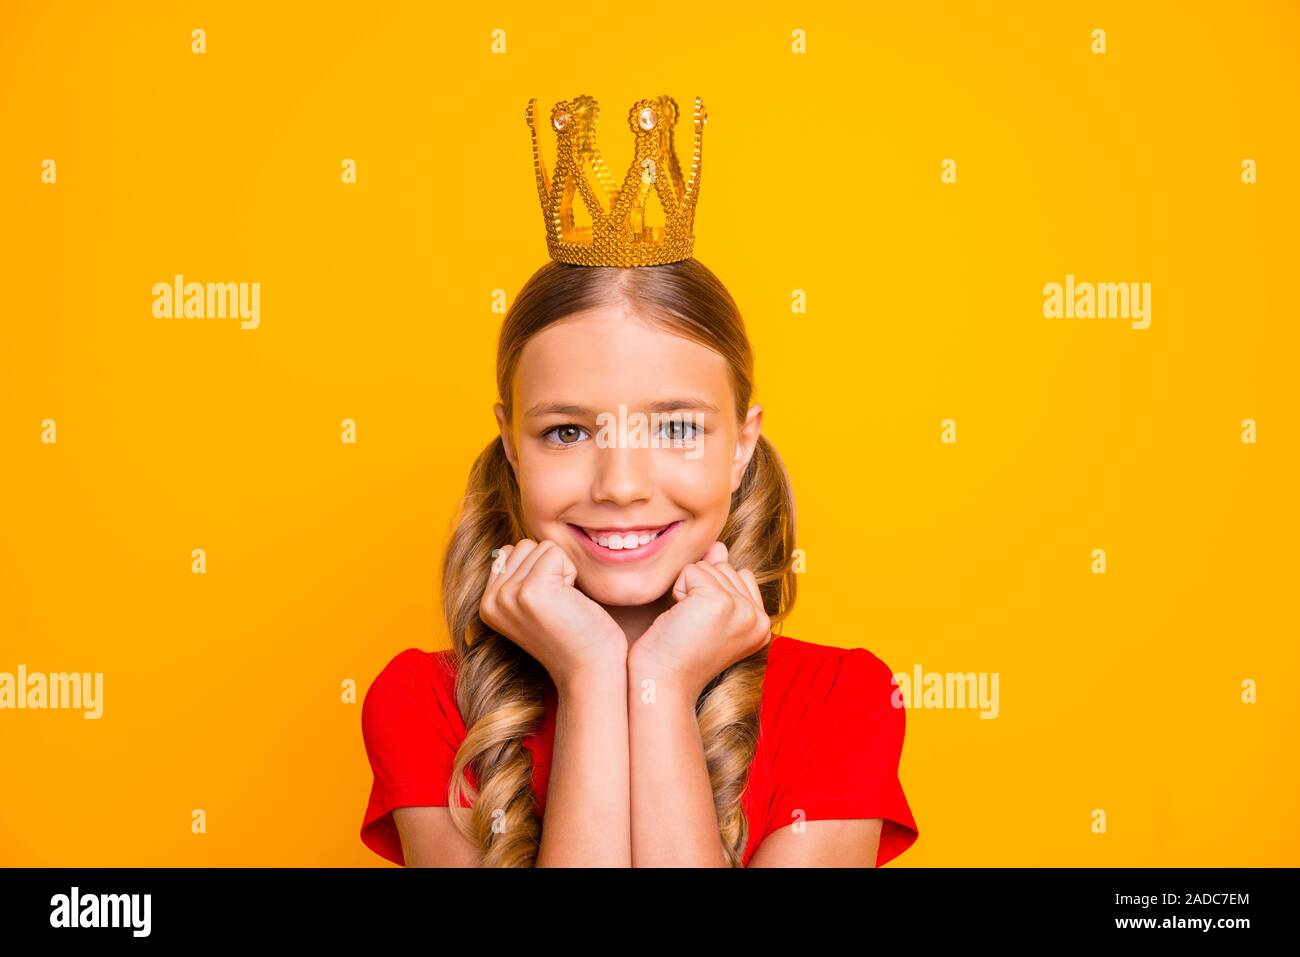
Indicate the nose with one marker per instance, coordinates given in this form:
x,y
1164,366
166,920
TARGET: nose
x,y
623,475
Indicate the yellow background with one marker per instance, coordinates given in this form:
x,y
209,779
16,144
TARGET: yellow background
x,y
821,172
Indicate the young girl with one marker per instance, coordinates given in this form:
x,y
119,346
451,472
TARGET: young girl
x,y
614,672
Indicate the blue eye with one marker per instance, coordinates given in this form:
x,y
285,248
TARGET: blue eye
x,y
565,428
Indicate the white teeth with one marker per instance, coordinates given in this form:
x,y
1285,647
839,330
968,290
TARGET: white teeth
x,y
621,542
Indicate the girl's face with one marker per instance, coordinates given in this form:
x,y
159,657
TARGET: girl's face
x,y
579,470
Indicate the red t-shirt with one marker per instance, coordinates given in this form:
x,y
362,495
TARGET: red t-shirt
x,y
829,744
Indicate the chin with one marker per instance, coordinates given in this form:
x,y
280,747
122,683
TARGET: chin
x,y
620,588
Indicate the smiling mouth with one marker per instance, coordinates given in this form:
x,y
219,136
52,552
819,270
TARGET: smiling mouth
x,y
634,544
625,541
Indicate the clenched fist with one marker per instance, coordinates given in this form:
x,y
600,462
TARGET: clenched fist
x,y
531,599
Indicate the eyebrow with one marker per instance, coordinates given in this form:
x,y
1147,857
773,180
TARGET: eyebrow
x,y
663,405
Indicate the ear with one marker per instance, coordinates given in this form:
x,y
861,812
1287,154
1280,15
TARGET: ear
x,y
507,438
745,445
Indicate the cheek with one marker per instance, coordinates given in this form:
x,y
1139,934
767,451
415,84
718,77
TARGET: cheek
x,y
702,484
703,491
547,487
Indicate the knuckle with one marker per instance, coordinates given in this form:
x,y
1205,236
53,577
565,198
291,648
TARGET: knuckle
x,y
530,594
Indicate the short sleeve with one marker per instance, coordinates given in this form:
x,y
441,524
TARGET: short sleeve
x,y
412,731
845,763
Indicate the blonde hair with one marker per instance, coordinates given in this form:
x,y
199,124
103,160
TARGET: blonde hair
x,y
499,688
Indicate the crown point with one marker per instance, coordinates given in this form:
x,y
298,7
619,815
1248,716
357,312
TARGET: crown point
x,y
646,120
560,120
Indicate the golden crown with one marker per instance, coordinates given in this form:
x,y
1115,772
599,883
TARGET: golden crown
x,y
619,234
